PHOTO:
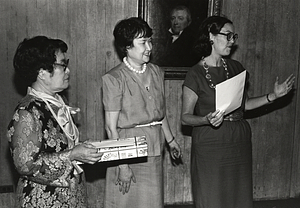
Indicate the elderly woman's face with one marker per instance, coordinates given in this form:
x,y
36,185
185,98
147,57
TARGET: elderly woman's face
x,y
59,79
140,52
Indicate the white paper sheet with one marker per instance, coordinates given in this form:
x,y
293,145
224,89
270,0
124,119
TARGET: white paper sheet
x,y
229,94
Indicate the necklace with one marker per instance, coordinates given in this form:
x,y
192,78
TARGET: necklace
x,y
133,69
208,76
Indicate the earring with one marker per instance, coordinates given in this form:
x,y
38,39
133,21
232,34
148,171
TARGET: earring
x,y
211,42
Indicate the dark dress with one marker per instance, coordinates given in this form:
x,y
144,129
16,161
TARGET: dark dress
x,y
221,160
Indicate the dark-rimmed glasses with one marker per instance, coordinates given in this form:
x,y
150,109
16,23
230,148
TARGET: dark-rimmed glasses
x,y
230,36
64,65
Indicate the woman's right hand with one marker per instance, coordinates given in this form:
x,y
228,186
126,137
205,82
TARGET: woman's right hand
x,y
216,118
124,177
85,153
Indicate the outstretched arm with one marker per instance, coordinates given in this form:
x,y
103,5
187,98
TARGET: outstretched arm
x,y
280,90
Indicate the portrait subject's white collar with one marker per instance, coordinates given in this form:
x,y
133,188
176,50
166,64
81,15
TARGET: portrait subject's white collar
x,y
174,36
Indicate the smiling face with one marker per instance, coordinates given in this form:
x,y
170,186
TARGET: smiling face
x,y
179,21
221,46
140,51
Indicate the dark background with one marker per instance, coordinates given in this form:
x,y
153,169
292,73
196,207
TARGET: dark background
x,y
158,17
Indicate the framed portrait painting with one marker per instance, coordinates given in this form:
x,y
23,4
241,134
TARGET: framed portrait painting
x,y
174,55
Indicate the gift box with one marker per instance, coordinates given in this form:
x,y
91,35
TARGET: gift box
x,y
122,148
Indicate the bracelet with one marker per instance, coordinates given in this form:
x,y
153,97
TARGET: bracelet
x,y
268,98
171,140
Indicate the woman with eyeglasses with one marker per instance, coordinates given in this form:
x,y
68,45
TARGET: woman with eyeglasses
x,y
221,155
43,138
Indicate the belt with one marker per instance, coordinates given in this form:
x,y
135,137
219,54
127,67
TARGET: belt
x,y
154,123
232,119
236,116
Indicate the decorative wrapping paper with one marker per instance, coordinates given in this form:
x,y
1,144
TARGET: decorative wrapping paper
x,y
122,148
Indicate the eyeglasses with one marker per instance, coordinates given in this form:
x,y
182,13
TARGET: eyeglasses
x,y
65,65
230,36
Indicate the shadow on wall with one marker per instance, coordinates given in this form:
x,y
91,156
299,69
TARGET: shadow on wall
x,y
20,85
277,104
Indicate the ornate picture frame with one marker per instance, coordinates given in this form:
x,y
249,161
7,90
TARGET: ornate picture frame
x,y
213,8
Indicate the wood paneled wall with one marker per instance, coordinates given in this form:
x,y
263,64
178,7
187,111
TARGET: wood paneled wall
x,y
177,180
268,46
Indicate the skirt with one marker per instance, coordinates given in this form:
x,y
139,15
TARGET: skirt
x,y
221,166
147,192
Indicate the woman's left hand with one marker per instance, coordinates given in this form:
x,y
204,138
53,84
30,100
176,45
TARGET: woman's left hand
x,y
283,89
175,150
216,118
85,153
124,177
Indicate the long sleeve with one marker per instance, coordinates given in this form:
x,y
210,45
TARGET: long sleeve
x,y
38,152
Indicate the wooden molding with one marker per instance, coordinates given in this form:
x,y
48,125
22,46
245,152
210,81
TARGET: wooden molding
x,y
214,7
176,73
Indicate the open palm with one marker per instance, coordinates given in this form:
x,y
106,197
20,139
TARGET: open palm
x,y
283,88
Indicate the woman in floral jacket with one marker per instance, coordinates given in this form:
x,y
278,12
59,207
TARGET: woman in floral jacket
x,y
44,140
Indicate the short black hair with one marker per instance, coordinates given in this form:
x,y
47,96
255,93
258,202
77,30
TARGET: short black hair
x,y
127,30
34,54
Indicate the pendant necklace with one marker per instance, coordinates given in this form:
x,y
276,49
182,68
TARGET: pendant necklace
x,y
208,76
133,69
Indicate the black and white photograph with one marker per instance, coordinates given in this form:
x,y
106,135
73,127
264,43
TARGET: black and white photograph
x,y
149,104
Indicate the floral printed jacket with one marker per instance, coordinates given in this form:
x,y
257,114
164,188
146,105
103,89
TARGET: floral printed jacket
x,y
40,154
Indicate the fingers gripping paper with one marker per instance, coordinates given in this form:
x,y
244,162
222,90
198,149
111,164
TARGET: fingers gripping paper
x,y
229,94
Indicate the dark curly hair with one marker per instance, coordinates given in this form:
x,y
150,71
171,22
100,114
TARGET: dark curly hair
x,y
34,54
127,30
212,24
